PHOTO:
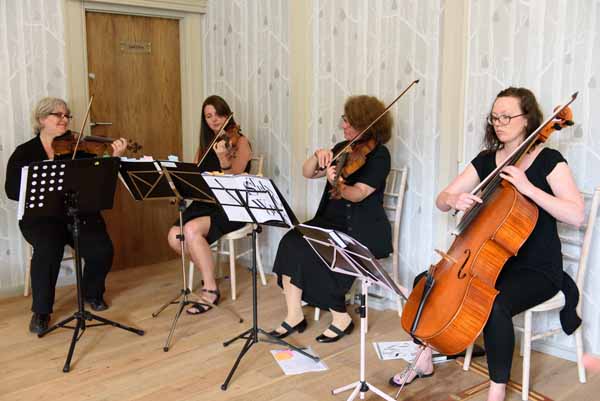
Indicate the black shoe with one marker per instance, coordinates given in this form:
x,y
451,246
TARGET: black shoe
x,y
340,333
39,322
97,304
300,327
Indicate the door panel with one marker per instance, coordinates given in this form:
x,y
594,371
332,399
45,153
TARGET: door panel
x,y
134,75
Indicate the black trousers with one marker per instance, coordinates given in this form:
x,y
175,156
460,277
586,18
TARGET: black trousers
x,y
48,238
520,289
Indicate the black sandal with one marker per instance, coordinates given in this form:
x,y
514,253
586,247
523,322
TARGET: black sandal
x,y
202,307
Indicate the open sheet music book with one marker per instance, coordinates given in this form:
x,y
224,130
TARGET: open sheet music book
x,y
251,199
344,254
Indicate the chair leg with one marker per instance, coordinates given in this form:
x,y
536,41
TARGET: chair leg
x,y
27,284
317,313
468,356
232,268
218,266
579,348
259,265
521,344
526,355
190,280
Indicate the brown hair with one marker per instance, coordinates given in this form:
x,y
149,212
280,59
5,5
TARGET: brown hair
x,y
530,109
222,109
362,110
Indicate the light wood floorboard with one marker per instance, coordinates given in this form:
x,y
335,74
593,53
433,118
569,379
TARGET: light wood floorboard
x,y
112,364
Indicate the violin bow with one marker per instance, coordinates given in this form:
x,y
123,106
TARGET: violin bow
x,y
87,114
416,81
215,139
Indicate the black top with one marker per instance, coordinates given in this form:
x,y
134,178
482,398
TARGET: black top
x,y
366,220
25,154
542,250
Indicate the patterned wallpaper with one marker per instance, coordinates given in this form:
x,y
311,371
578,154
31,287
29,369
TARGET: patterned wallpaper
x,y
31,66
553,48
247,63
378,48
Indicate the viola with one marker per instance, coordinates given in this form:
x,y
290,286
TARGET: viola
x,y
231,136
97,145
448,309
349,162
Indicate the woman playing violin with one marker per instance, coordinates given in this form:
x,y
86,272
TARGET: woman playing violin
x,y
49,235
356,209
204,223
535,274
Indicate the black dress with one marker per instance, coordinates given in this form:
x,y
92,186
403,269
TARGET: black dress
x,y
219,223
366,221
49,235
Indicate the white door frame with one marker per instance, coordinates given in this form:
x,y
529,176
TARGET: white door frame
x,y
188,12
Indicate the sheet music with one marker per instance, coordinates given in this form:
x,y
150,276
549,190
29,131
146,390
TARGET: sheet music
x,y
22,189
256,192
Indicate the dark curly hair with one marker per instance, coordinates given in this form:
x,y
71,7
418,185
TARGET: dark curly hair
x,y
530,109
361,110
222,109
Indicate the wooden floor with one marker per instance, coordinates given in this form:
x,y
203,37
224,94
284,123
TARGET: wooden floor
x,y
111,364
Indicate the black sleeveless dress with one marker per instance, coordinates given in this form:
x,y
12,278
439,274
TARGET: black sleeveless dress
x,y
219,223
366,221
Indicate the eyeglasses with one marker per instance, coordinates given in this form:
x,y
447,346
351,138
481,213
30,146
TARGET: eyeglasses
x,y
344,119
60,116
502,119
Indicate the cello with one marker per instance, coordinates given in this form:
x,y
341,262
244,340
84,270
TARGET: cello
x,y
449,308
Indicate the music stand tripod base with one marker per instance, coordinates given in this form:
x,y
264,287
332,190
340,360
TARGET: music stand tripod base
x,y
362,386
251,335
81,316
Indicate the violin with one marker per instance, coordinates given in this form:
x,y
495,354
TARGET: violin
x,y
231,136
349,162
449,307
97,145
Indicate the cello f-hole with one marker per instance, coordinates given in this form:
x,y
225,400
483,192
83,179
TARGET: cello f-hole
x,y
460,273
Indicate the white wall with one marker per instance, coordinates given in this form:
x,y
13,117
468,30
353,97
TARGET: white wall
x,y
31,66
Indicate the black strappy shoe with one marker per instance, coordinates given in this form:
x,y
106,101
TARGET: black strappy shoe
x,y
300,327
339,333
202,307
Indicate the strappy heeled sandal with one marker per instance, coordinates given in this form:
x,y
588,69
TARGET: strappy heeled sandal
x,y
419,374
198,308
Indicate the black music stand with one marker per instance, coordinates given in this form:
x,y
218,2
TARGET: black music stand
x,y
71,188
252,199
153,180
343,254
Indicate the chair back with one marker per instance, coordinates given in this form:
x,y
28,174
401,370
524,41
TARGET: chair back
x,y
395,187
584,244
256,167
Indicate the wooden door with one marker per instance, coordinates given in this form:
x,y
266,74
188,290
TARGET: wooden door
x,y
134,75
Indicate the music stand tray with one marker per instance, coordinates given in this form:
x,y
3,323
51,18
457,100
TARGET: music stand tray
x,y
71,188
256,200
345,255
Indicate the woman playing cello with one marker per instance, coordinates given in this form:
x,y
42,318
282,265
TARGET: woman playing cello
x,y
535,274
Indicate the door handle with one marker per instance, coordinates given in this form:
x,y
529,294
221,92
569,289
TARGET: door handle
x,y
93,124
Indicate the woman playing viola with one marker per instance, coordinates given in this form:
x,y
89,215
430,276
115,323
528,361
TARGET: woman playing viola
x,y
49,235
205,223
356,210
535,274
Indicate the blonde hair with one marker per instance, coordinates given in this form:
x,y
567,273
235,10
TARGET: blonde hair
x,y
43,108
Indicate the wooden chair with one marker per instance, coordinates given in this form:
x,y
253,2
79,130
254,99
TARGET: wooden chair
x,y
395,187
27,283
558,301
229,239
